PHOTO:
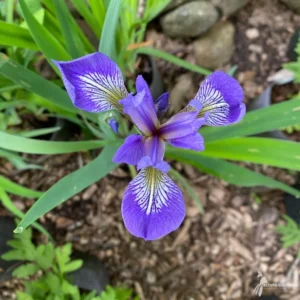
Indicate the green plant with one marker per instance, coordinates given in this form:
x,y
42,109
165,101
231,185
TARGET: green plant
x,y
44,267
49,28
290,233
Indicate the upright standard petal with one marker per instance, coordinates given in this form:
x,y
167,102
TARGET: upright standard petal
x,y
153,205
221,97
141,108
131,151
94,82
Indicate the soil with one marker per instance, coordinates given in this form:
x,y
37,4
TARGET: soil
x,y
215,255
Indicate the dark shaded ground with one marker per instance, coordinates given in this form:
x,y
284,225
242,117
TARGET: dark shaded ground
x,y
212,256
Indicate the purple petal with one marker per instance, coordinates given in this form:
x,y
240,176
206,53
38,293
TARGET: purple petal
x,y
113,123
162,104
180,125
131,151
141,108
94,82
221,97
155,149
153,205
192,142
146,162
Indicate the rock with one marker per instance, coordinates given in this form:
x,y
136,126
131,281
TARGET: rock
x,y
252,33
182,92
229,7
175,3
293,4
216,47
189,20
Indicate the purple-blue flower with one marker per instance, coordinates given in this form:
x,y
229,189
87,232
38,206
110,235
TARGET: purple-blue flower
x,y
153,205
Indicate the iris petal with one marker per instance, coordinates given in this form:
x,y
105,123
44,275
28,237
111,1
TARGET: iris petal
x,y
155,148
153,205
162,104
221,97
180,125
141,108
94,82
192,142
131,151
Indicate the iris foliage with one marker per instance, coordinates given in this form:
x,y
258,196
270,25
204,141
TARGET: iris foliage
x,y
37,29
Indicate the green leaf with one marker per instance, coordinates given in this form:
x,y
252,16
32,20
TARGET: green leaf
x,y
69,289
23,296
14,255
72,184
85,12
39,132
45,255
47,43
107,43
173,59
35,83
272,152
25,270
16,36
72,266
228,171
98,10
276,116
68,27
25,145
154,8
53,282
14,188
177,176
9,205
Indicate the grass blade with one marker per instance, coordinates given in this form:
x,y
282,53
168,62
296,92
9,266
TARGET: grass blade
x,y
16,189
9,205
228,171
276,116
272,152
25,145
16,36
107,43
173,59
47,43
70,185
189,189
68,27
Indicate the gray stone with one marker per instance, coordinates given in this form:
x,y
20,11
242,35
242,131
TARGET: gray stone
x,y
293,4
216,47
229,7
175,3
189,20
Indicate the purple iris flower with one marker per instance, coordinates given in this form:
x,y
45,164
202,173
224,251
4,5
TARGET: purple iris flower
x,y
153,205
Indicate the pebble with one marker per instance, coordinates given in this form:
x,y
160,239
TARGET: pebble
x,y
189,20
293,5
229,7
216,47
252,33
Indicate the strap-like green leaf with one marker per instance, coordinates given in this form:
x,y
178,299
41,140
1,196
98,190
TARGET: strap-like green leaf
x,y
14,188
14,35
47,43
33,146
70,185
228,171
69,30
173,59
276,116
272,152
107,43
